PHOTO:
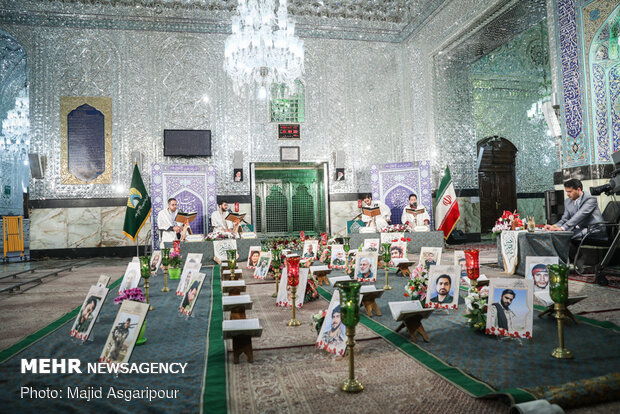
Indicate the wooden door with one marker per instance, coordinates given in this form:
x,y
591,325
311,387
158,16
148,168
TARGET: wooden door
x,y
496,179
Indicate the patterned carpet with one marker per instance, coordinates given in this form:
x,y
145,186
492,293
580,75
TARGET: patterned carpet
x,y
614,281
273,320
306,380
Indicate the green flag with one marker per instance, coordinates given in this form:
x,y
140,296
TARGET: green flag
x,y
138,206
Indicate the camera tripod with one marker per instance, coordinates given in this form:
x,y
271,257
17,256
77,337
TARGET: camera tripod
x,y
601,269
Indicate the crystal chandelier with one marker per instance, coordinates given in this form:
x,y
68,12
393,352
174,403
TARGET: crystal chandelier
x,y
15,139
263,48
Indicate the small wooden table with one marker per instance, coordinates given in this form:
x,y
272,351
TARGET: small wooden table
x,y
227,276
236,305
410,313
233,287
321,273
403,266
369,294
241,332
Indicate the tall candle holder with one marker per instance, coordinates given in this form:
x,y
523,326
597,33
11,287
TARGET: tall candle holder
x,y
292,272
387,256
231,255
276,263
558,290
472,261
165,256
350,315
145,271
346,246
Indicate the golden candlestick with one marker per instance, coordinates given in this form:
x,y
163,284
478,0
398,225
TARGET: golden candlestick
x,y
293,321
351,385
387,285
560,352
276,276
146,288
165,288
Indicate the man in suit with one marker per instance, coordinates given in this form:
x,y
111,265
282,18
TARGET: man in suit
x,y
580,211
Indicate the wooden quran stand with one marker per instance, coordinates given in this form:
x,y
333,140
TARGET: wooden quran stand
x,y
321,276
368,300
414,326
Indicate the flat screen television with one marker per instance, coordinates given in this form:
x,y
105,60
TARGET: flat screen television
x,y
187,142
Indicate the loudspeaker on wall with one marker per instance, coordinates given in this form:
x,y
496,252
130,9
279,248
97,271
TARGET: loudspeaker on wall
x,y
37,165
136,158
237,161
552,119
340,155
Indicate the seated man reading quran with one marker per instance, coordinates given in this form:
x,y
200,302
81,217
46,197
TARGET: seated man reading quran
x,y
219,222
419,217
580,211
170,229
377,223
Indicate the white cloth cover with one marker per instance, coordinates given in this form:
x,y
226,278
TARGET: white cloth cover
x,y
509,241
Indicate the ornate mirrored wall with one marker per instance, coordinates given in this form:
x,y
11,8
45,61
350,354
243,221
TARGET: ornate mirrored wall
x,y
15,133
493,84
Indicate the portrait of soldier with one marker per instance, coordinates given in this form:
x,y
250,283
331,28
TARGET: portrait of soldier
x,y
365,269
500,312
339,259
540,274
443,284
119,335
335,332
86,314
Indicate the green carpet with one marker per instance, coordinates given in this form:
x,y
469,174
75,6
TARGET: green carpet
x,y
214,392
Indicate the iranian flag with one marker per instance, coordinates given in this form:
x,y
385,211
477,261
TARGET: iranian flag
x,y
447,209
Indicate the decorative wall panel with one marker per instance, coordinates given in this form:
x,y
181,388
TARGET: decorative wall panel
x,y
576,146
392,184
86,140
193,186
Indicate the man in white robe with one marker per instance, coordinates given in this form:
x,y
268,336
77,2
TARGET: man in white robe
x,y
167,224
379,222
418,219
219,222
